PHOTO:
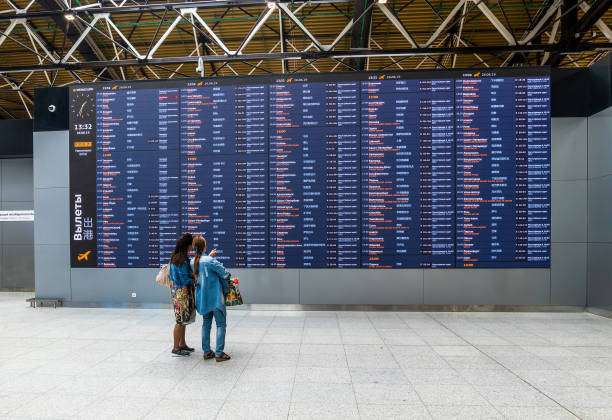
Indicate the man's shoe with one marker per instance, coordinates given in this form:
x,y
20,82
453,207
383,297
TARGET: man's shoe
x,y
209,355
222,357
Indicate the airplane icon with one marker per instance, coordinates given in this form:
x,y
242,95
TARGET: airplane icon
x,y
84,256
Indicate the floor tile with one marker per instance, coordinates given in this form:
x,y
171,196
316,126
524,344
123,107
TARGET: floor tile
x,y
434,376
370,356
456,350
322,360
443,340
260,391
361,339
389,393
491,377
576,363
323,393
118,408
472,412
449,395
271,359
204,389
237,409
323,411
323,349
401,337
144,387
382,376
188,409
536,413
37,383
323,375
10,401
268,374
393,411
593,413
544,378
594,377
52,405
88,385
471,362
518,396
579,396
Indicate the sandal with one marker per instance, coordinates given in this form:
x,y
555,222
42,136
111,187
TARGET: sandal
x,y
180,352
222,357
187,348
209,355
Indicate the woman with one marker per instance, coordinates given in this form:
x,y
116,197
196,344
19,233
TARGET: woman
x,y
211,279
182,284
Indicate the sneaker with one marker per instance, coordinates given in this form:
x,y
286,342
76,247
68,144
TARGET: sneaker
x,y
187,348
180,352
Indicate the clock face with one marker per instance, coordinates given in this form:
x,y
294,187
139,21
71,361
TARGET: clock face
x,y
82,106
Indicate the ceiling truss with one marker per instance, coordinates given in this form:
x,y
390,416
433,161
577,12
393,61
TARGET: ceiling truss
x,y
352,46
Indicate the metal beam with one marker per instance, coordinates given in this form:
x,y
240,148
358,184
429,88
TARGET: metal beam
x,y
315,55
573,30
569,19
152,7
547,12
603,28
360,33
9,113
88,50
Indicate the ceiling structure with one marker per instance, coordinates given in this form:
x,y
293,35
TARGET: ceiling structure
x,y
60,42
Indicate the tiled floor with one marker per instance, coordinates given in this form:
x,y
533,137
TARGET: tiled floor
x,y
115,363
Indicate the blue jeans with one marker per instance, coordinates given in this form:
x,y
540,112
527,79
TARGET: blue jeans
x,y
220,322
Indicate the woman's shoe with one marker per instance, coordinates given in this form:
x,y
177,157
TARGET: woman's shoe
x,y
187,348
209,355
180,352
222,357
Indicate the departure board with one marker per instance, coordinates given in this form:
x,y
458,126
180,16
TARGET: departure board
x,y
414,169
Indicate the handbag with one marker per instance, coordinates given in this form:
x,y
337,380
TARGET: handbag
x,y
192,306
163,277
233,297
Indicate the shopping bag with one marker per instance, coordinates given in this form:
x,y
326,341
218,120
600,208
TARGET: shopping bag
x,y
233,297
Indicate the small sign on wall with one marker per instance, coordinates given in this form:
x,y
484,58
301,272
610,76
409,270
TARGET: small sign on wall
x,y
16,215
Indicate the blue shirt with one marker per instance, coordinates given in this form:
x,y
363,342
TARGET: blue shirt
x,y
212,284
181,275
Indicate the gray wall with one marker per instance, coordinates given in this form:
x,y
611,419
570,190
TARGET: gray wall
x,y
16,238
563,284
600,210
569,211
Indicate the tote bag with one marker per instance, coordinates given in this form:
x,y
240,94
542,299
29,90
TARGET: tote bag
x,y
233,297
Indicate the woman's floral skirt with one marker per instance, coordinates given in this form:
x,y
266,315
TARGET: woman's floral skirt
x,y
183,299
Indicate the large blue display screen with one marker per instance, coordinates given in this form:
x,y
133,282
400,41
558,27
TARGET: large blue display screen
x,y
373,170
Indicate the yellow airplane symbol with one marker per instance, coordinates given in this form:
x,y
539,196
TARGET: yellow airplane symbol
x,y
84,256
114,87
200,83
289,80
381,77
477,74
